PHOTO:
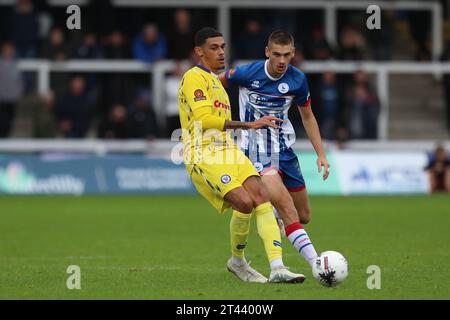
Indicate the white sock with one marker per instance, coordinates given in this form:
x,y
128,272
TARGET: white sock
x,y
299,238
237,261
275,264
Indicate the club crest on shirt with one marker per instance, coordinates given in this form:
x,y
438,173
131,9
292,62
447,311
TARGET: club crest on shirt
x,y
258,166
199,95
225,179
283,87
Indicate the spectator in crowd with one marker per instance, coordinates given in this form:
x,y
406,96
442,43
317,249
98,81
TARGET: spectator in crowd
x,y
11,88
318,48
116,125
116,46
352,44
150,45
364,109
438,169
55,48
116,87
42,106
89,48
251,42
329,103
181,38
171,91
24,29
75,110
142,118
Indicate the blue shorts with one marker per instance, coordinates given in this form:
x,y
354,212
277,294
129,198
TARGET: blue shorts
x,y
288,167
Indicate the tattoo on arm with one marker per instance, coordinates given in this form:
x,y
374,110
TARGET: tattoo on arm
x,y
235,125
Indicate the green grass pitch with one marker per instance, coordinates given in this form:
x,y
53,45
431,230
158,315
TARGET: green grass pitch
x,y
176,247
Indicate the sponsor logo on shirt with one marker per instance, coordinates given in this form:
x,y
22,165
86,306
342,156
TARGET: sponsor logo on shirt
x,y
199,95
222,105
255,84
263,101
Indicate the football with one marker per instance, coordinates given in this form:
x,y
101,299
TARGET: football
x,y
330,268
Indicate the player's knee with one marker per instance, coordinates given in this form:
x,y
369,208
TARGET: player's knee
x,y
244,205
260,196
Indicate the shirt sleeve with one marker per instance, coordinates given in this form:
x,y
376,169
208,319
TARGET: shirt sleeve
x,y
195,89
237,75
302,96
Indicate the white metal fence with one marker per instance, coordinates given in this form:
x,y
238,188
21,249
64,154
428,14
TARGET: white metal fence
x,y
157,73
164,147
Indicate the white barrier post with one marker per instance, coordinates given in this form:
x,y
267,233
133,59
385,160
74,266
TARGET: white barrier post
x,y
43,71
383,96
331,24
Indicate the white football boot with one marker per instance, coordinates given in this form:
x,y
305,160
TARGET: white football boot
x,y
245,272
283,275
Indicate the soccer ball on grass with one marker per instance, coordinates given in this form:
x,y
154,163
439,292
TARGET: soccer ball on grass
x,y
330,268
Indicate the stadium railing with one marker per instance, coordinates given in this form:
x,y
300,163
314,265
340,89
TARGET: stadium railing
x,y
164,147
157,71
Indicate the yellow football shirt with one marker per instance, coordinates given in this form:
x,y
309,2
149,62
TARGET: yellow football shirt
x,y
204,106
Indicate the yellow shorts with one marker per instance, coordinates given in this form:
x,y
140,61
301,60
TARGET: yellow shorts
x,y
219,173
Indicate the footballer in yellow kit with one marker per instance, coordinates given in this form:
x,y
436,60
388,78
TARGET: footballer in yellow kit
x,y
212,159
219,170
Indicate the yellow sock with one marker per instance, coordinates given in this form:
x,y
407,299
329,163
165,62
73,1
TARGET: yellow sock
x,y
269,231
239,229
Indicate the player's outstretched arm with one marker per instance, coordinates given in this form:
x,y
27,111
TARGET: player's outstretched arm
x,y
209,121
266,121
313,132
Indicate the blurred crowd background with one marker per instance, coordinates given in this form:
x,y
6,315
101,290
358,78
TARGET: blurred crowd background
x,y
119,106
